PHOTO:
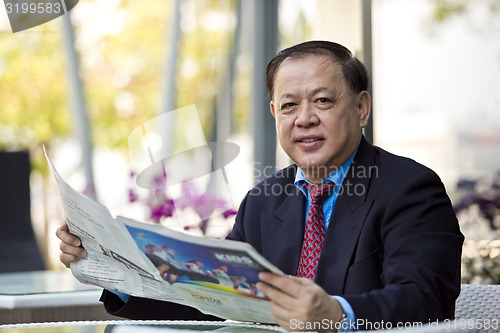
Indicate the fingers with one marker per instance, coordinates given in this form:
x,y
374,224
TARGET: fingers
x,y
71,250
291,285
296,299
67,259
283,291
274,294
280,303
69,246
65,236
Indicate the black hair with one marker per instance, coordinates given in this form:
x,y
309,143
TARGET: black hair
x,y
353,70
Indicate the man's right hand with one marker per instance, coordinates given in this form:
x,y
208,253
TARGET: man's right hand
x,y
70,246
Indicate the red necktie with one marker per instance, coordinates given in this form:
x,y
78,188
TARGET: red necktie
x,y
315,230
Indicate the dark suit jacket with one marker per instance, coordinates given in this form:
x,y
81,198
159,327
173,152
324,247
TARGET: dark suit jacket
x,y
392,249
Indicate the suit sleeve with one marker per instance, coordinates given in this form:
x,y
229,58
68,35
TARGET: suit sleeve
x,y
238,231
421,245
138,308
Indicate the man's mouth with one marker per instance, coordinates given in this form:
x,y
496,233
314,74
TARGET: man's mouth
x,y
309,143
309,139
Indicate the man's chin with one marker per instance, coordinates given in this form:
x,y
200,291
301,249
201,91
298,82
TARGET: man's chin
x,y
315,171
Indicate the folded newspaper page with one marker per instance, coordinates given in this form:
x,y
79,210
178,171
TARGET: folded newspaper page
x,y
216,276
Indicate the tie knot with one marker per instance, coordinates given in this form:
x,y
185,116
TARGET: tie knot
x,y
320,191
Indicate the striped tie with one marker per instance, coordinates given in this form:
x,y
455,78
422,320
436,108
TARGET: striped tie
x,y
315,230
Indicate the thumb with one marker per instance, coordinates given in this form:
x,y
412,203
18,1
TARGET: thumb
x,y
63,226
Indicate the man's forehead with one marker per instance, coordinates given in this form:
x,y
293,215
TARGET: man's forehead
x,y
321,60
320,69
310,65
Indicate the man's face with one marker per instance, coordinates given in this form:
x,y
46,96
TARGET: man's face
x,y
318,118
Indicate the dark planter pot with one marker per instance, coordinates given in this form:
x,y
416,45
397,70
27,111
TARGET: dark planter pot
x,y
19,250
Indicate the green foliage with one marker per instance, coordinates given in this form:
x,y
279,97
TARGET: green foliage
x,y
33,89
124,71
121,67
122,49
446,9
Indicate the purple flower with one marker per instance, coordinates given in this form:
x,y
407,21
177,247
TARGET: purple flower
x,y
203,226
132,195
159,181
203,209
190,196
161,205
156,214
168,208
229,212
203,203
164,209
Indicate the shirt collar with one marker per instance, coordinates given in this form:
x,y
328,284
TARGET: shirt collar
x,y
337,177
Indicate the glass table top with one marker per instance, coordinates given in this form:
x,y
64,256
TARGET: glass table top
x,y
39,282
43,289
130,326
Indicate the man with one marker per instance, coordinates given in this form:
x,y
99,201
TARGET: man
x,y
386,245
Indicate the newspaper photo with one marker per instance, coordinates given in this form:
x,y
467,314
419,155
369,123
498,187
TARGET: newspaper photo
x,y
215,276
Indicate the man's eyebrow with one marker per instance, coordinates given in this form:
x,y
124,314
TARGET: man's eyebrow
x,y
314,92
287,95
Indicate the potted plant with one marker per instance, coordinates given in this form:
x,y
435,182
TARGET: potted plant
x,y
478,211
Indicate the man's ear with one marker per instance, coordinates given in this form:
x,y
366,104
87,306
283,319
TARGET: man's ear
x,y
272,109
364,104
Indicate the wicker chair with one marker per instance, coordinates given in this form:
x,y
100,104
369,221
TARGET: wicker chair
x,y
441,328
480,302
477,310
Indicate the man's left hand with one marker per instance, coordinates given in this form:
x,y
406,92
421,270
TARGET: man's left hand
x,y
298,304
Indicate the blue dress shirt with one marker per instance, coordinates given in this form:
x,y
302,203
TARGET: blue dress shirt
x,y
337,178
123,297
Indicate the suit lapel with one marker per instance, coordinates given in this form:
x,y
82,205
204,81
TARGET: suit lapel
x,y
346,222
283,232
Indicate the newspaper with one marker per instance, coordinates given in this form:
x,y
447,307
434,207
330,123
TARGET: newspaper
x,y
215,276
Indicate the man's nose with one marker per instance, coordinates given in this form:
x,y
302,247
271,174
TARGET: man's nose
x,y
306,116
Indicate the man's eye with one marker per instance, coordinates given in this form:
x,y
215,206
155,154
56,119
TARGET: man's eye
x,y
287,106
323,100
